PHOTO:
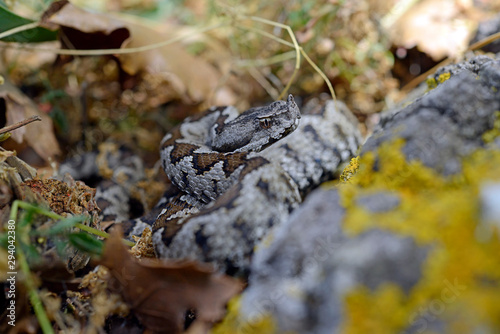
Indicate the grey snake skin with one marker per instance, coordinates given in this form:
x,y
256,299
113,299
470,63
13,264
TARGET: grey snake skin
x,y
238,175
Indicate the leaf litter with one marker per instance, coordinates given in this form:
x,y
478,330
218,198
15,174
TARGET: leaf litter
x,y
161,293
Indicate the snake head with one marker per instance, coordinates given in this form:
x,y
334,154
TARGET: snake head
x,y
257,128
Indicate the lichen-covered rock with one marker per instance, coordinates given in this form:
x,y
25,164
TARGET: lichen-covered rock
x,y
409,243
303,274
448,122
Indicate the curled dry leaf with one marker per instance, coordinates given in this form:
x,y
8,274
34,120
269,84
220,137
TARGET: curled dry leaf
x,y
192,78
187,77
160,293
84,30
23,170
39,135
439,28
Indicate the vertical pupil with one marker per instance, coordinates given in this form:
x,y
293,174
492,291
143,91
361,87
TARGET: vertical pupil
x,y
265,123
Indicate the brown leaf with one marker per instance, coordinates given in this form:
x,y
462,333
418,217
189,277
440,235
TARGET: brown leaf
x,y
160,293
39,135
437,27
192,78
24,170
82,29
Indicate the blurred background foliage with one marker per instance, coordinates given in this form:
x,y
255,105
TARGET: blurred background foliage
x,y
368,49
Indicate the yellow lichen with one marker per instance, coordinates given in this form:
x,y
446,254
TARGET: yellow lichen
x,y
431,83
459,283
362,304
350,170
490,135
443,77
460,279
233,323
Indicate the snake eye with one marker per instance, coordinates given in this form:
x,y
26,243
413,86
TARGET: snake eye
x,y
265,122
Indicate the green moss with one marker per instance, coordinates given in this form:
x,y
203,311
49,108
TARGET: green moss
x,y
442,214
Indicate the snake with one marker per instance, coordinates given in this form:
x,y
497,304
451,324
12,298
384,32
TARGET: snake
x,y
235,176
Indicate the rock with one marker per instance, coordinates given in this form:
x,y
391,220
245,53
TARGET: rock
x,y
490,208
301,277
400,247
379,202
485,29
450,119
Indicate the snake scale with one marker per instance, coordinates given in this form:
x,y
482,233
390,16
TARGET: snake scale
x,y
238,175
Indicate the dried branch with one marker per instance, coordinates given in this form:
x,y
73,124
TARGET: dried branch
x,y
20,124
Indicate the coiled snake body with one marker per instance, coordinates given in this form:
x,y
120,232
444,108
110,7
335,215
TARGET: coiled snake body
x,y
243,174
237,176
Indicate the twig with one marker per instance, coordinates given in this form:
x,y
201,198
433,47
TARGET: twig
x,y
298,50
101,52
20,124
320,72
416,81
18,29
279,58
295,45
485,41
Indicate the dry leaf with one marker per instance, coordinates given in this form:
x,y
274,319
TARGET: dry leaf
x,y
437,27
192,78
160,293
20,62
39,135
189,78
84,30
